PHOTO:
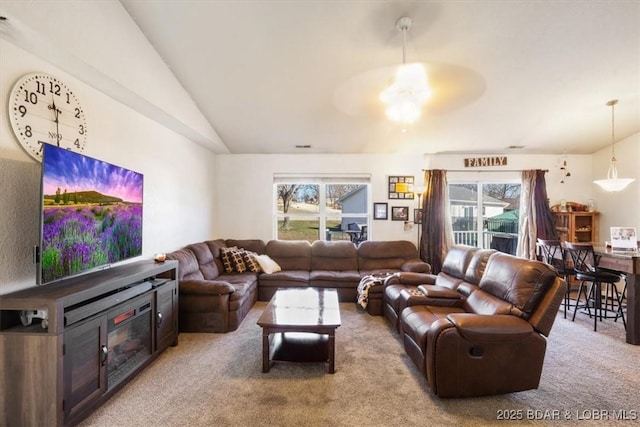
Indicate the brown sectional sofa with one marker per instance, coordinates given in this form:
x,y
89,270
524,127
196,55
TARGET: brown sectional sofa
x,y
211,300
478,327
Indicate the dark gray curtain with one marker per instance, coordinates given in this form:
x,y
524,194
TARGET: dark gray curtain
x,y
545,224
437,232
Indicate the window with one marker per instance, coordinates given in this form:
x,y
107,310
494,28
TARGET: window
x,y
497,227
321,208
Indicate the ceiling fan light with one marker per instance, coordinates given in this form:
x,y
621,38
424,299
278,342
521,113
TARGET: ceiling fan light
x,y
407,94
403,112
409,91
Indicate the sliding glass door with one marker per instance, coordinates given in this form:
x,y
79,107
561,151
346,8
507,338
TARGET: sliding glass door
x,y
485,214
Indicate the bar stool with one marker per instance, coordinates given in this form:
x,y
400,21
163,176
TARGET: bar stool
x,y
555,255
585,265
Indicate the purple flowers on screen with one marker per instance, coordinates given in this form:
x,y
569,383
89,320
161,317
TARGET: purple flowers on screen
x,y
79,238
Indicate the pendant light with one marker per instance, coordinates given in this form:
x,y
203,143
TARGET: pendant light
x,y
407,94
613,183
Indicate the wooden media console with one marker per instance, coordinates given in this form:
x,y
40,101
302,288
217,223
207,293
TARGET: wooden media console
x,y
66,347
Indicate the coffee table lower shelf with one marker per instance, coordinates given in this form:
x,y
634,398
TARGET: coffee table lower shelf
x,y
298,347
301,347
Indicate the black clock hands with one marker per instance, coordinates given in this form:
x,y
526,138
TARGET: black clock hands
x,y
56,112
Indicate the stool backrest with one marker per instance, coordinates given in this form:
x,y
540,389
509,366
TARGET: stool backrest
x,y
583,257
553,254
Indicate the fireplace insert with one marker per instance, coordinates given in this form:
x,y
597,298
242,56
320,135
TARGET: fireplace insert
x,y
128,339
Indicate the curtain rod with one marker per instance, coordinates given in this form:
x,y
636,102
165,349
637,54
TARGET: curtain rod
x,y
472,170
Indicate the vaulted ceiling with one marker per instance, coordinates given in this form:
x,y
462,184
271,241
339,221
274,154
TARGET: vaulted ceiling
x,y
273,75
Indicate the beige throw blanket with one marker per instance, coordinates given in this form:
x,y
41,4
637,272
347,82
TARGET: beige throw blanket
x,y
363,288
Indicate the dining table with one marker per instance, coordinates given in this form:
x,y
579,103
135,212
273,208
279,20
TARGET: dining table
x,y
626,262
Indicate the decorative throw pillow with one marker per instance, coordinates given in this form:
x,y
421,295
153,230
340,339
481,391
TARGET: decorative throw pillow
x,y
238,261
267,264
226,257
250,261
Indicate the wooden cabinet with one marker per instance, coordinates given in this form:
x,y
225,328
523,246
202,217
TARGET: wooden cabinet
x,y
576,227
101,329
84,372
166,316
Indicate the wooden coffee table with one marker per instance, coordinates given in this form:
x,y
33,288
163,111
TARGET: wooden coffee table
x,y
303,322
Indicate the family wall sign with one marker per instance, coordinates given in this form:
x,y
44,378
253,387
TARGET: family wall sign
x,y
475,162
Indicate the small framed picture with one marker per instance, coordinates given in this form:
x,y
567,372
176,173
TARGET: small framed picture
x,y
417,216
399,213
624,239
380,211
401,187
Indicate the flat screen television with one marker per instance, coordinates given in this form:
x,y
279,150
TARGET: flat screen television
x,y
91,214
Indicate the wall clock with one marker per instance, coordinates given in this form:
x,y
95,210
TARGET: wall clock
x,y
43,109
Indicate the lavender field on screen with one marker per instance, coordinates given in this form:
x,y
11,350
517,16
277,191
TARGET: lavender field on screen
x,y
78,238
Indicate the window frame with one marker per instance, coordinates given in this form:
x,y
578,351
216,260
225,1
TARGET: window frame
x,y
480,206
322,181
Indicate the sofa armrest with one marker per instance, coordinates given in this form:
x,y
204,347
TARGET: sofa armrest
x,y
435,291
205,287
490,328
416,265
410,278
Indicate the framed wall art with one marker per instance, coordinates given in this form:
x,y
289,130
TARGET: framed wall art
x,y
380,211
401,187
417,216
399,213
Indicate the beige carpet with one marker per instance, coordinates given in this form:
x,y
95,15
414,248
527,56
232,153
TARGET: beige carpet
x,y
216,380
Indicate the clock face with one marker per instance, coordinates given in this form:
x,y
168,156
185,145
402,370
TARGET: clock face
x,y
43,109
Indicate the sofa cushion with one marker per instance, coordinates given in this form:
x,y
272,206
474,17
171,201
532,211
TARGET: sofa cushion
x,y
481,302
490,329
285,278
385,256
447,281
519,281
205,287
188,267
241,282
254,245
477,265
457,260
416,320
337,256
205,259
334,276
215,246
290,254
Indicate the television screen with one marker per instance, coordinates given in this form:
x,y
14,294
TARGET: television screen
x,y
91,214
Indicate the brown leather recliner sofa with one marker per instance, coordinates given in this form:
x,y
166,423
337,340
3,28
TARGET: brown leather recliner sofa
x,y
488,335
462,264
211,300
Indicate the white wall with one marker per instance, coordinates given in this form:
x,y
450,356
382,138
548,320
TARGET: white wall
x,y
244,184
618,208
178,173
